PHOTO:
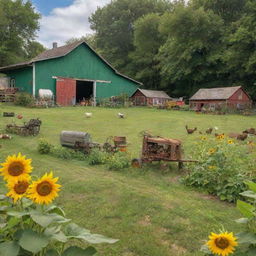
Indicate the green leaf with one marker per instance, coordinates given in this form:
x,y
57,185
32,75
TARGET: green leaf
x,y
74,231
245,208
249,194
56,234
45,220
26,202
9,249
251,252
52,252
246,238
56,209
242,220
77,251
2,197
17,214
32,241
251,185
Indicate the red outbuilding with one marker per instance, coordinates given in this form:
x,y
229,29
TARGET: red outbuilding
x,y
143,97
218,98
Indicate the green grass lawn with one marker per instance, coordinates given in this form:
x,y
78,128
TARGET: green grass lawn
x,y
147,209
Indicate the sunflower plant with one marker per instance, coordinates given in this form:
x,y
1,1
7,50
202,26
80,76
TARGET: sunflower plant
x,y
30,225
223,165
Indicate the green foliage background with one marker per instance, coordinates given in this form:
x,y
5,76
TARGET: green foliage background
x,y
180,46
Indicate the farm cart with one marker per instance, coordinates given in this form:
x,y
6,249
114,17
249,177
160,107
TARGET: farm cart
x,y
30,128
157,148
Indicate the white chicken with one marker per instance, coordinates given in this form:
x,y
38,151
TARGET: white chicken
x,y
120,115
88,115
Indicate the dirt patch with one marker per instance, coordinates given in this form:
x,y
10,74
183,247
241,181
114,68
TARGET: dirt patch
x,y
146,221
178,249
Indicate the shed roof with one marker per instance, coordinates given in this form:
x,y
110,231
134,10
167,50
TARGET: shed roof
x,y
222,93
61,52
154,94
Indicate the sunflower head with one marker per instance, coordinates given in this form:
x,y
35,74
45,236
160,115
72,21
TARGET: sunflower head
x,y
44,190
203,138
16,167
211,151
18,188
230,142
222,244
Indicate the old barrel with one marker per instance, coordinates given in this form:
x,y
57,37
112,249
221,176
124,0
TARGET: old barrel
x,y
73,138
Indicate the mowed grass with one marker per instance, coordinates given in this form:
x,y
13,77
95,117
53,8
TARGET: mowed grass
x,y
147,209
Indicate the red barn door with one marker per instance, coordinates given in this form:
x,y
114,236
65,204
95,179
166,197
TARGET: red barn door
x,y
65,91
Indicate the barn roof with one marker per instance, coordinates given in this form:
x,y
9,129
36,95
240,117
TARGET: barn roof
x,y
61,52
222,93
154,94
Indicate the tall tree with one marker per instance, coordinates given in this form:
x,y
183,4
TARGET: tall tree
x,y
147,41
228,10
18,25
241,52
192,52
114,27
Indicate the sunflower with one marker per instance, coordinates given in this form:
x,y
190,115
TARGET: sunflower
x,y
44,190
212,167
16,167
211,151
203,138
222,244
18,188
230,142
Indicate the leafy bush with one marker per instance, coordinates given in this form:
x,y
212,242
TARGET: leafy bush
x,y
97,157
44,147
119,160
24,99
222,168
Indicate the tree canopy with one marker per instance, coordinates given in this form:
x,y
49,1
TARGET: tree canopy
x,y
180,46
18,26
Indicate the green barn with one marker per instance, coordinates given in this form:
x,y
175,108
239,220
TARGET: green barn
x,y
72,72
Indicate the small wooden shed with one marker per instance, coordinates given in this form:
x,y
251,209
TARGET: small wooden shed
x,y
143,97
217,98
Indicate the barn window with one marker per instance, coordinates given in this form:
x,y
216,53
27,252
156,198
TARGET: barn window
x,y
12,83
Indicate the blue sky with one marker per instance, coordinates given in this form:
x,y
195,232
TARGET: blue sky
x,y
64,19
45,6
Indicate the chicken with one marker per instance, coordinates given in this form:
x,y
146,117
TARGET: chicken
x,y
88,115
120,115
190,131
5,136
209,130
250,131
219,134
238,136
242,136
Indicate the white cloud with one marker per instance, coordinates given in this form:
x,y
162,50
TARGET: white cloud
x,y
67,22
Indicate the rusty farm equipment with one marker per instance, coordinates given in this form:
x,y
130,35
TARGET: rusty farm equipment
x,y
82,141
155,148
30,128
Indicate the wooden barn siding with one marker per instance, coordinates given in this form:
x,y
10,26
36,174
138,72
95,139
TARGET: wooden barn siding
x,y
239,97
23,78
139,94
84,64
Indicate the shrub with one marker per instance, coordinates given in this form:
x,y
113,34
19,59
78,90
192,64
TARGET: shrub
x,y
24,99
119,160
44,147
97,157
222,168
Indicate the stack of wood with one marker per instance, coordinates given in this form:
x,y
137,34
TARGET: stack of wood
x,y
8,94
